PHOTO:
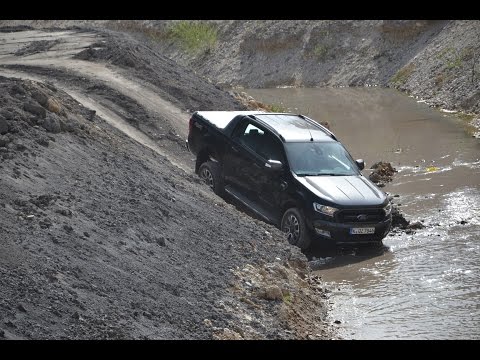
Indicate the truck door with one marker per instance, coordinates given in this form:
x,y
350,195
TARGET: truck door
x,y
241,163
252,146
271,183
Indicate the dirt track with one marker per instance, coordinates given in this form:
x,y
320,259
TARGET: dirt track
x,y
59,58
105,231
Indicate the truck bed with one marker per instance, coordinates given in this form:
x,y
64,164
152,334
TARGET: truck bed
x,y
220,119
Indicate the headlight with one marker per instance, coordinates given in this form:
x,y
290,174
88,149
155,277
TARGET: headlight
x,y
326,210
388,209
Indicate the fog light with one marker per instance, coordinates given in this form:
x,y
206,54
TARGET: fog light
x,y
322,232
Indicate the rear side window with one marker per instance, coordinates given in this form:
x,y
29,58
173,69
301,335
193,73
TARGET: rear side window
x,y
259,141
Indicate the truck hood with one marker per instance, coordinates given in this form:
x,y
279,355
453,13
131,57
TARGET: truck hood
x,y
344,190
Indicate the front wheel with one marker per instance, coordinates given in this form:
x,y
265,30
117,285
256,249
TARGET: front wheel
x,y
293,225
211,174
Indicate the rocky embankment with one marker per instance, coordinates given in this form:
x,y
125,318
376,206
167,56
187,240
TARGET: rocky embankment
x,y
435,60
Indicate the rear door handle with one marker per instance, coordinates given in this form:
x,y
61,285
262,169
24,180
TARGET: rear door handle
x,y
235,149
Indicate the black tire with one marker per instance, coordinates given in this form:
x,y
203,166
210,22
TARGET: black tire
x,y
293,225
210,172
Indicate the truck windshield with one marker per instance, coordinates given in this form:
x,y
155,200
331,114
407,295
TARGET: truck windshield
x,y
320,158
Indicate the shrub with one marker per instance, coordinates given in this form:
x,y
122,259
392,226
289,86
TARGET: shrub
x,y
193,36
277,108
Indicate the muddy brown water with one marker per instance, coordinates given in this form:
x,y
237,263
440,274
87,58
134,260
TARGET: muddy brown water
x,y
424,285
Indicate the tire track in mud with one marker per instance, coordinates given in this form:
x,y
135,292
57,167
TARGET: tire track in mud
x,y
59,57
144,95
106,114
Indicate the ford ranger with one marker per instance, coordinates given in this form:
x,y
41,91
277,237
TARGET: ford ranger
x,y
292,172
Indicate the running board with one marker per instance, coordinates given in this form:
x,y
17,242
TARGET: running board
x,y
257,209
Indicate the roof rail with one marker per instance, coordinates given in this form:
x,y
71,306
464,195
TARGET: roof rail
x,y
313,122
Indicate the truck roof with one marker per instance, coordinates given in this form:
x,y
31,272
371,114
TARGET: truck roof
x,y
295,127
290,127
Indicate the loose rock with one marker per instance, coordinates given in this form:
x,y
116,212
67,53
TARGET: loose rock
x,y
35,109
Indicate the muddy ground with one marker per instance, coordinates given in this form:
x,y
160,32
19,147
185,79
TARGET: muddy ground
x,y
105,231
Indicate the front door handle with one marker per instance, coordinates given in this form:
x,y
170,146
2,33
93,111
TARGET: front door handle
x,y
283,185
235,149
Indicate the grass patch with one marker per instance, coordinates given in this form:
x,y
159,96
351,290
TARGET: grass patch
x,y
403,74
456,62
453,58
276,108
193,36
465,117
320,51
287,298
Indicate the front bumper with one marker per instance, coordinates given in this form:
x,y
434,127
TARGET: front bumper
x,y
340,232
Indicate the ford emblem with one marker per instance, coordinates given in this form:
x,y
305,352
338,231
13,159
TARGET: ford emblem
x,y
362,217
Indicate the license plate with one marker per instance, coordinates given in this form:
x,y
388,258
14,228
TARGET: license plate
x,y
364,230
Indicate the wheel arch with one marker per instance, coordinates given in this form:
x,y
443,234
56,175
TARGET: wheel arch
x,y
299,201
203,156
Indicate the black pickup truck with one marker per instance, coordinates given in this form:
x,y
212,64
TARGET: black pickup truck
x,y
292,172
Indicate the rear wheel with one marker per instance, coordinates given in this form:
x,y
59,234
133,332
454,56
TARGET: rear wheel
x,y
211,174
293,225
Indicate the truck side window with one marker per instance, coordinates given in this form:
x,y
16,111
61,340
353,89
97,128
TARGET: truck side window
x,y
261,142
271,148
251,136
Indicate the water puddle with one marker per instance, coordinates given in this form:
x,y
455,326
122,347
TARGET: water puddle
x,y
423,285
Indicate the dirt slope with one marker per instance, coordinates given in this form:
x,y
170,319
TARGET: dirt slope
x,y
105,231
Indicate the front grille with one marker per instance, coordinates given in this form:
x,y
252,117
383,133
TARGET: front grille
x,y
361,216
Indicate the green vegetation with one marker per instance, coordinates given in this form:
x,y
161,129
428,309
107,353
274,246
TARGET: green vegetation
x,y
287,298
277,108
456,62
320,51
454,58
403,74
465,117
324,33
193,36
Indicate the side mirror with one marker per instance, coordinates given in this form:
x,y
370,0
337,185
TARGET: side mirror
x,y
360,164
274,165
